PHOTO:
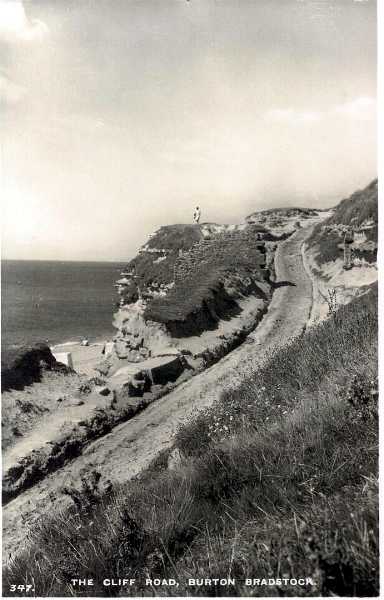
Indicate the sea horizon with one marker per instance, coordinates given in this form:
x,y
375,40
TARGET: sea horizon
x,y
69,260
57,301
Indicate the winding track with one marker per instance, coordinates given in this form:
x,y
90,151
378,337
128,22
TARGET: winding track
x,y
131,446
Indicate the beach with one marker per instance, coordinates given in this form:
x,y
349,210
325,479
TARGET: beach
x,y
84,358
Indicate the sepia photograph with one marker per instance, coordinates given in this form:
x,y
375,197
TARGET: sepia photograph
x,y
189,298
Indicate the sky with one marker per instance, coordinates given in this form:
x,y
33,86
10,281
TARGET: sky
x,y
120,116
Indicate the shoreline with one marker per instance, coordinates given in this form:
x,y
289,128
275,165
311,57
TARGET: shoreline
x,y
56,342
84,358
71,343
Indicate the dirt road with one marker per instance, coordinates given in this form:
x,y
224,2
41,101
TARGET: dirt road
x,y
130,447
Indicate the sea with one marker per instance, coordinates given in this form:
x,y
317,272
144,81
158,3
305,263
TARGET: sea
x,y
57,301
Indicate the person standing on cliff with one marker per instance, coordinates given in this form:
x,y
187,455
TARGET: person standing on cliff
x,y
197,214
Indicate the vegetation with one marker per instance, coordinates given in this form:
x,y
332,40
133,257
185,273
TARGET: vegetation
x,y
285,212
175,237
277,480
359,209
193,270
202,292
213,276
169,241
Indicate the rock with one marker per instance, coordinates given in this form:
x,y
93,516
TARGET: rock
x,y
145,353
121,349
109,348
128,386
136,387
96,381
134,356
65,358
131,385
168,351
22,365
161,370
104,366
136,343
103,391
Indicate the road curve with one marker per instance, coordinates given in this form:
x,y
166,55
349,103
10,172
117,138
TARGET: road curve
x,y
131,446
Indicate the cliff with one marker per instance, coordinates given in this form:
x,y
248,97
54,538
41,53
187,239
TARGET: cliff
x,y
185,280
342,252
283,220
23,365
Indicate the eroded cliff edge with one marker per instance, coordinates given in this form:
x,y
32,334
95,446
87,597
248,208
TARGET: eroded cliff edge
x,y
186,286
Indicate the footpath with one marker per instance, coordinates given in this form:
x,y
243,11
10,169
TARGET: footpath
x,y
130,447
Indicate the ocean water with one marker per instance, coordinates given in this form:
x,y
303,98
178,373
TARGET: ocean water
x,y
57,301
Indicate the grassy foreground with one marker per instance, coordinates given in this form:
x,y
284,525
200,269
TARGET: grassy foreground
x,y
277,481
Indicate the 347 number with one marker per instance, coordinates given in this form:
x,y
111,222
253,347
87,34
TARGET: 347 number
x,y
21,587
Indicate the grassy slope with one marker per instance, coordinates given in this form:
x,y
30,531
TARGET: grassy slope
x,y
170,238
199,298
359,207
203,287
279,480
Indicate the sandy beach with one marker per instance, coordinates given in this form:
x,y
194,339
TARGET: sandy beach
x,y
84,358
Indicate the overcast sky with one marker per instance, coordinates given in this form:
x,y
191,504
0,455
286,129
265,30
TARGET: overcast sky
x,y
119,116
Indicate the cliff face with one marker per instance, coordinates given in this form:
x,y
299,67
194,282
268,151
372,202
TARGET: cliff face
x,y
184,280
341,252
138,339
